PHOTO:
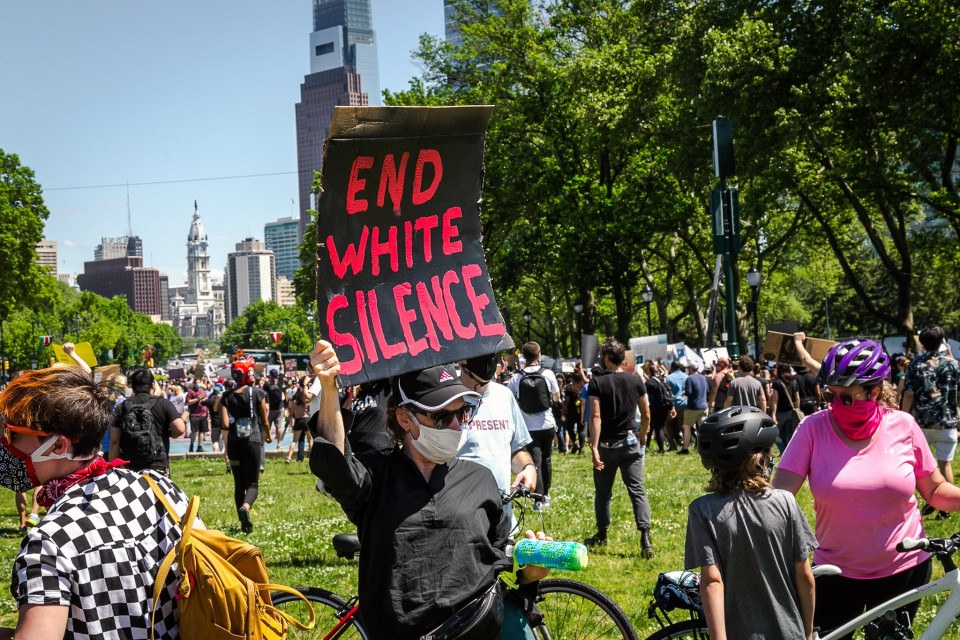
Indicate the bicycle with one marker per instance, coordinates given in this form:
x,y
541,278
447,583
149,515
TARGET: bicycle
x,y
567,609
882,622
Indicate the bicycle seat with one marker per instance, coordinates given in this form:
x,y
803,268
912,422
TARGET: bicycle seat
x,y
347,545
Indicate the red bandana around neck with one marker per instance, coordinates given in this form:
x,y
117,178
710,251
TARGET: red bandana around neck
x,y
53,489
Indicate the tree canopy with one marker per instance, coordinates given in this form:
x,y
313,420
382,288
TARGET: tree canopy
x,y
598,158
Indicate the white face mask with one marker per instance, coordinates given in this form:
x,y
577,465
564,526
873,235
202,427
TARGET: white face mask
x,y
36,456
436,445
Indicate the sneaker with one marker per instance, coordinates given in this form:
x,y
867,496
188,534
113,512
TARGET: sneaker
x,y
546,501
646,544
927,510
261,469
199,449
33,520
289,461
599,539
23,531
245,525
943,515
684,452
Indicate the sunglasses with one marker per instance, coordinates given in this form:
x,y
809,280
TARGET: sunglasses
x,y
846,399
443,419
12,428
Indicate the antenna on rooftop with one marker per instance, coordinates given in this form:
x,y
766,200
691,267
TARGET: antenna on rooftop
x,y
129,223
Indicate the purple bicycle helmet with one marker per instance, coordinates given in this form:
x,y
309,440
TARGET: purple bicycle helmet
x,y
857,361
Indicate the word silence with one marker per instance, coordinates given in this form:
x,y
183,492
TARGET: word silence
x,y
402,282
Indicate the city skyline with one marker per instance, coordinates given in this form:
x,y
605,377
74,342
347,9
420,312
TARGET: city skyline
x,y
108,93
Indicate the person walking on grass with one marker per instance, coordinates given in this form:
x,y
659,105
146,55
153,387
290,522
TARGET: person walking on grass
x,y
247,404
536,389
615,396
750,541
696,389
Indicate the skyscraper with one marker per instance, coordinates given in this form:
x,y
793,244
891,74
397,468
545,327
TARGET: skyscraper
x,y
250,276
281,238
343,71
128,246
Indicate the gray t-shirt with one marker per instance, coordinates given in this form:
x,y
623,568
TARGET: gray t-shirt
x,y
755,539
745,390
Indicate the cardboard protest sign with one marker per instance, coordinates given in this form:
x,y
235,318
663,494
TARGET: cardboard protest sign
x,y
779,347
711,356
649,347
402,281
290,365
106,372
274,367
176,374
82,349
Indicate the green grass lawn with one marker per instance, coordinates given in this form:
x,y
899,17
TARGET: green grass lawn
x,y
294,524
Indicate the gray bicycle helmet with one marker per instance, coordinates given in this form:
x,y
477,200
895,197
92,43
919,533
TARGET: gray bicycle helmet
x,y
855,361
727,438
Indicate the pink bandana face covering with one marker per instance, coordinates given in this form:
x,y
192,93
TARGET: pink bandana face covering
x,y
857,421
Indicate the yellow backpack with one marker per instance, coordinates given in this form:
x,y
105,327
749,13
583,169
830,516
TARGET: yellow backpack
x,y
224,591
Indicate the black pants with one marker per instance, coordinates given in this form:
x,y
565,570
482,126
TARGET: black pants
x,y
541,450
658,420
578,435
630,463
245,461
840,599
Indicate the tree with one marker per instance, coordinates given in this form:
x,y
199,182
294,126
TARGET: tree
x,y
22,216
252,329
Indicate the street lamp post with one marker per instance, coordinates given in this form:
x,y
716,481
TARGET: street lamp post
x,y
578,309
527,317
310,319
647,295
753,279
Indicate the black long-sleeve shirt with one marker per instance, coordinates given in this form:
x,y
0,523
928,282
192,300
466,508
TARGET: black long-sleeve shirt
x,y
428,547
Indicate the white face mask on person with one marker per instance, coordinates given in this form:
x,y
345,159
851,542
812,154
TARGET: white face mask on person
x,y
439,446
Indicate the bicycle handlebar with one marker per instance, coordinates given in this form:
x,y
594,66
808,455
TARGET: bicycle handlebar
x,y
520,491
909,544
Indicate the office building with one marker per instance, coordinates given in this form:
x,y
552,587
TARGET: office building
x,y
286,292
124,277
250,276
282,237
47,255
165,298
123,247
343,72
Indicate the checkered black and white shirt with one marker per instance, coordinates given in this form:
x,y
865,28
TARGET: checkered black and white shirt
x,y
97,551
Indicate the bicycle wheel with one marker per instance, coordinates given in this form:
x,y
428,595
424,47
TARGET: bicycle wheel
x,y
325,605
576,611
690,629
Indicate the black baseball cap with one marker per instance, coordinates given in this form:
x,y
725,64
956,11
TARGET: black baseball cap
x,y
431,389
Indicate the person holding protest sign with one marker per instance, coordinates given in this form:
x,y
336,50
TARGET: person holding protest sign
x,y
432,526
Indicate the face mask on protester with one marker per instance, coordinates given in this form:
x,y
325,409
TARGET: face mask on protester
x,y
437,445
857,421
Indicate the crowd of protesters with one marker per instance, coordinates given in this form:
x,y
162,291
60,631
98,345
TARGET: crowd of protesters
x,y
513,417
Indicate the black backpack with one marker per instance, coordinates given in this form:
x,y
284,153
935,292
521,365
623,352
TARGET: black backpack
x,y
665,399
274,394
140,440
534,393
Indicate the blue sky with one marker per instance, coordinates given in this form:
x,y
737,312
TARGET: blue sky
x,y
105,92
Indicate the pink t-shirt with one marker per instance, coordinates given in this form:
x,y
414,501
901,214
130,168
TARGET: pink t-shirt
x,y
864,500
